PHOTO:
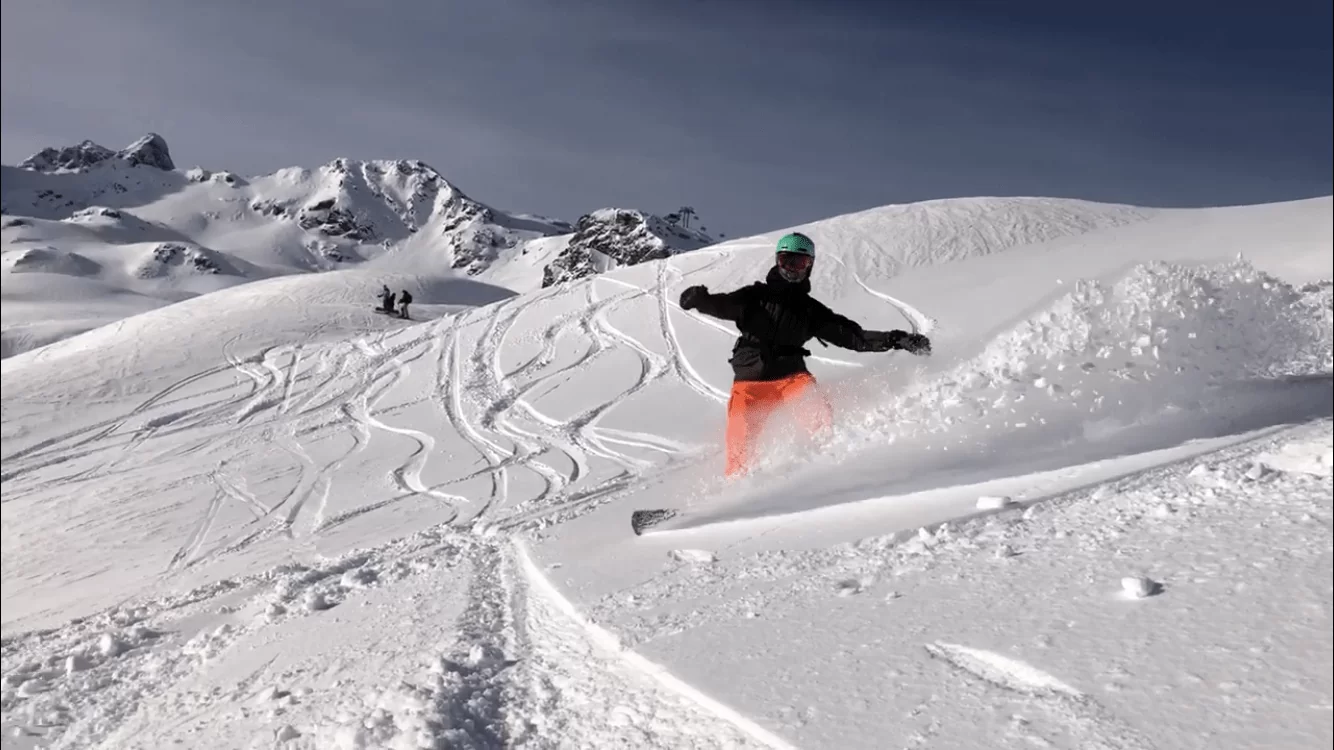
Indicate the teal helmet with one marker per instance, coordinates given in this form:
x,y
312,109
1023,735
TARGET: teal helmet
x,y
795,257
796,242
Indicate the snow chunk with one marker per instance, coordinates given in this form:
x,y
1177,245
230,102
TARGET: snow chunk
x,y
358,578
1256,472
76,663
693,555
315,601
109,645
852,586
994,502
1138,587
33,687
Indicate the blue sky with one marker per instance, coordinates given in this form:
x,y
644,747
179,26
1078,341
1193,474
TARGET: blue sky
x,y
759,113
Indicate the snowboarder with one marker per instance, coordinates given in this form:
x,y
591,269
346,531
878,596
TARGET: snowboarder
x,y
386,299
776,317
403,299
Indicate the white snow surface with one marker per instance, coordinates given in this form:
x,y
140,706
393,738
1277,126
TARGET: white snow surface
x,y
1097,516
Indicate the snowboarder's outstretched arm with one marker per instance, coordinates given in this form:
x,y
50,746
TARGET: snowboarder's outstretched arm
x,y
842,332
725,306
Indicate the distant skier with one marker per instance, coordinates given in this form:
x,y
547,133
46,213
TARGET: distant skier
x,y
404,298
776,317
386,299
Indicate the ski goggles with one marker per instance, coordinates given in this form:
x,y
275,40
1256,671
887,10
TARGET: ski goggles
x,y
795,261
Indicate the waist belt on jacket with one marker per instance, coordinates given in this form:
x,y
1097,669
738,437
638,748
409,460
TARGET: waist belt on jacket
x,y
777,350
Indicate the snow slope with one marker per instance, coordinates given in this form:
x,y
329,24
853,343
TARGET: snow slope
x,y
139,233
257,523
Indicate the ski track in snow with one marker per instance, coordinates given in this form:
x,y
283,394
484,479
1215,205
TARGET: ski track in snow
x,y
408,475
920,321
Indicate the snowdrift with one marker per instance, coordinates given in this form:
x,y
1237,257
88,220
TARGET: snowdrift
x,y
49,260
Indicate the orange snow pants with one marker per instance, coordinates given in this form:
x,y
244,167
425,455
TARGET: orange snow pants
x,y
752,402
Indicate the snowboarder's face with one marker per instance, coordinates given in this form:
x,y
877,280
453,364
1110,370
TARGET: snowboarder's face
x,y
794,266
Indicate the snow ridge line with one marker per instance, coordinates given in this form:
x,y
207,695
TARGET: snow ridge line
x,y
539,583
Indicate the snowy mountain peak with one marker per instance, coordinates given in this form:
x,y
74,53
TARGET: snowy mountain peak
x,y
150,150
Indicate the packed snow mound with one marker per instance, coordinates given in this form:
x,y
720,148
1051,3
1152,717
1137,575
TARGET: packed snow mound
x,y
614,237
49,260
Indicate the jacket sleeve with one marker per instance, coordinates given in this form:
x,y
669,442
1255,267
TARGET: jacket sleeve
x,y
725,306
835,329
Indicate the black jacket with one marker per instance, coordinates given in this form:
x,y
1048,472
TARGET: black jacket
x,y
776,318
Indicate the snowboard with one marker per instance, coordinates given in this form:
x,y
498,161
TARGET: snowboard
x,y
390,313
645,520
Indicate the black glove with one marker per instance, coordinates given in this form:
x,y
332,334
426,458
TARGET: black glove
x,y
883,341
692,296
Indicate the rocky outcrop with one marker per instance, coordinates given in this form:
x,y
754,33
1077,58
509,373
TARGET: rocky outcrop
x,y
68,159
149,151
327,218
615,237
174,258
